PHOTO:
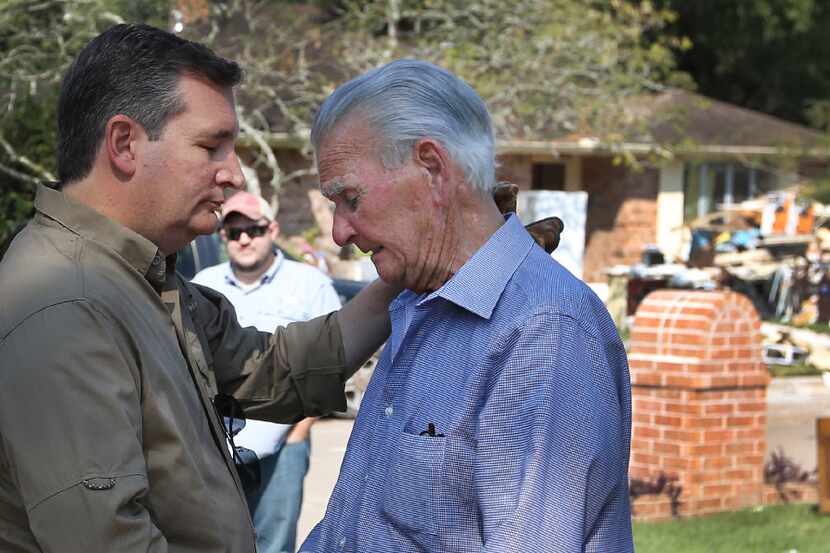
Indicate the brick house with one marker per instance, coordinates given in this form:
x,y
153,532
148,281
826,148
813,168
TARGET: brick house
x,y
719,154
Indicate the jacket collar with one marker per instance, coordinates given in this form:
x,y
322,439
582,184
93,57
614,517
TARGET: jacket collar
x,y
137,251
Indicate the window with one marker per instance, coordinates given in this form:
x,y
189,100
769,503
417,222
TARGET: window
x,y
548,176
707,187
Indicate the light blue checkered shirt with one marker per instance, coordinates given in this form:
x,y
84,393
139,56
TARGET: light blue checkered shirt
x,y
518,366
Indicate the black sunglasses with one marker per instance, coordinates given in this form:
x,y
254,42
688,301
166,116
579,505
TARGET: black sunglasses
x,y
253,231
245,460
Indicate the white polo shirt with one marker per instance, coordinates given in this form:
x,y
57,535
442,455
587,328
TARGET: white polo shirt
x,y
288,291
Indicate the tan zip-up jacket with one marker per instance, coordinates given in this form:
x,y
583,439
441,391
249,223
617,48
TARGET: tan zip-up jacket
x,y
108,365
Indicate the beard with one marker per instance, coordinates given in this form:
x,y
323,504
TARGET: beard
x,y
254,266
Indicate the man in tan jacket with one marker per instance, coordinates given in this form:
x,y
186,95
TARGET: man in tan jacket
x,y
110,362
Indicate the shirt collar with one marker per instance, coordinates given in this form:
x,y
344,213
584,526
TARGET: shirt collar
x,y
478,285
267,277
139,252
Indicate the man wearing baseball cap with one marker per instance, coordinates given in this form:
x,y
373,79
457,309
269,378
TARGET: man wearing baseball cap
x,y
267,291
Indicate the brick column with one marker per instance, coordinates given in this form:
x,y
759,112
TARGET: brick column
x,y
699,400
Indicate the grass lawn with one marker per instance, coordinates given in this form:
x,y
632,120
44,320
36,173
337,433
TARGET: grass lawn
x,y
779,529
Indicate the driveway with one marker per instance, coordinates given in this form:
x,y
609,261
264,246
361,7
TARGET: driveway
x,y
793,404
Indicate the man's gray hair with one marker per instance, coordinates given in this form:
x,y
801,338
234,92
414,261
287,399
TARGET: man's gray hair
x,y
407,100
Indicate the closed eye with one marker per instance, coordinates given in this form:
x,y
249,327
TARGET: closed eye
x,y
352,200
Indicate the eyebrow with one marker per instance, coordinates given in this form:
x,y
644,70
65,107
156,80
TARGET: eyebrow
x,y
222,134
332,188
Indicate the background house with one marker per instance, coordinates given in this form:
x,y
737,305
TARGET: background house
x,y
682,156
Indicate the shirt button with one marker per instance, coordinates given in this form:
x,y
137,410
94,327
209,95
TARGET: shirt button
x,y
388,411
156,260
342,543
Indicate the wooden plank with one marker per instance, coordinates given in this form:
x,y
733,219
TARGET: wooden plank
x,y
823,438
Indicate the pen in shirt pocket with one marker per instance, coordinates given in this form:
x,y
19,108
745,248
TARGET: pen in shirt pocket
x,y
430,431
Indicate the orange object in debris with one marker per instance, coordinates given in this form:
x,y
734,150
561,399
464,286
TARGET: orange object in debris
x,y
782,211
806,220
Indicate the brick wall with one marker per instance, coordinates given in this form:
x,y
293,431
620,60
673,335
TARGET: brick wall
x,y
622,214
622,209
699,400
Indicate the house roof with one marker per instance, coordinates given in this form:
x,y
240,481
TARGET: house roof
x,y
675,121
681,122
678,116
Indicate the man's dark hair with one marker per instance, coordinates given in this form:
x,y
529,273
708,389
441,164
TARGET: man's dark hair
x,y
131,70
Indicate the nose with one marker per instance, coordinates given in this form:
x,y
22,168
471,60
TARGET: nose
x,y
244,239
342,230
231,174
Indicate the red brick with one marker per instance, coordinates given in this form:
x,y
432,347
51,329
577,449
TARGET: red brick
x,y
678,463
740,421
702,450
640,418
741,475
740,340
640,363
713,463
716,436
643,334
642,378
750,460
693,324
646,320
754,380
647,406
688,338
710,490
706,505
645,458
687,436
679,381
752,407
705,422
683,408
723,353
719,408
666,448
668,420
640,432
738,448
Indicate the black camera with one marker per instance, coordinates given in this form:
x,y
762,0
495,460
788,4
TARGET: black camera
x,y
245,460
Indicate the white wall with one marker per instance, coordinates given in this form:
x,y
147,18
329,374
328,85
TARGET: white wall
x,y
670,209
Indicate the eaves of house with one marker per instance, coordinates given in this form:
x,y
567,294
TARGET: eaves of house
x,y
673,123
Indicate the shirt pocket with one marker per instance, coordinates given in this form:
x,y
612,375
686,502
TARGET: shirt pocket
x,y
414,484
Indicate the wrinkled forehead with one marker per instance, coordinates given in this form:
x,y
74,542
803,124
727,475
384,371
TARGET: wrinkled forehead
x,y
343,146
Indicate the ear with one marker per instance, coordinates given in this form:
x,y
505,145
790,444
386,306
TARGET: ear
x,y
273,230
120,137
434,160
223,235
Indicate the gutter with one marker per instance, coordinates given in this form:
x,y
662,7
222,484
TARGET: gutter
x,y
591,146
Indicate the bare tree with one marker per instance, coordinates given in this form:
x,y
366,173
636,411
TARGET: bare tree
x,y
546,68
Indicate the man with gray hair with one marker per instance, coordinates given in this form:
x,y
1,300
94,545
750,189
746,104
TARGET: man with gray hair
x,y
498,418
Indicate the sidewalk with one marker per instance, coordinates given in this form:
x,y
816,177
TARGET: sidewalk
x,y
793,404
328,444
